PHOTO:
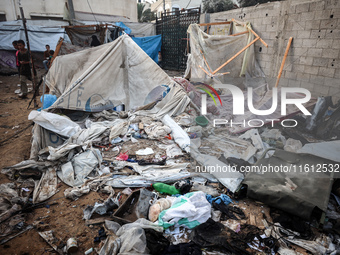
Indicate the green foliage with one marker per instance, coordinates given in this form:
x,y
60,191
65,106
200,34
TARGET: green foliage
x,y
148,16
246,3
144,15
140,10
211,6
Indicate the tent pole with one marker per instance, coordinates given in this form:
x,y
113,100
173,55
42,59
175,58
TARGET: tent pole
x,y
283,61
30,55
43,97
238,53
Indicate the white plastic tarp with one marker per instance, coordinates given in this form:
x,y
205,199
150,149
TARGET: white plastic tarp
x,y
189,211
329,150
105,76
217,49
73,173
39,34
61,125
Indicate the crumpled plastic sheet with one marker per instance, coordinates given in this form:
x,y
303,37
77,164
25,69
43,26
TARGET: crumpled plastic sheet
x,y
172,150
132,236
61,125
111,246
229,179
82,138
100,208
155,171
230,146
94,184
329,150
292,145
26,164
189,211
178,134
73,173
119,127
76,192
46,187
157,130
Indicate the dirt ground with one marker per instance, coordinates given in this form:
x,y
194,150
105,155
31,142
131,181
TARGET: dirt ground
x,y
65,216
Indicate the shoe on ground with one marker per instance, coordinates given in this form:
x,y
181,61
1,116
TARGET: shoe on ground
x,y
22,96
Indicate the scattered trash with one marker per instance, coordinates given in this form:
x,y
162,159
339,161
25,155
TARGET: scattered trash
x,y
157,207
166,189
146,151
71,245
292,145
101,209
188,210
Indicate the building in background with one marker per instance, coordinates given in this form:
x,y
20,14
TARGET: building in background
x,y
174,5
91,10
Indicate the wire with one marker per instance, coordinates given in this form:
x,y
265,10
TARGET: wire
x,y
188,4
5,140
92,11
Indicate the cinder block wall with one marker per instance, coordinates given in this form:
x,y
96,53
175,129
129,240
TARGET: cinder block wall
x,y
313,61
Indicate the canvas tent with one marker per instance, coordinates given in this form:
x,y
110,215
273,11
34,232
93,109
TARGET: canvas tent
x,y
103,77
106,76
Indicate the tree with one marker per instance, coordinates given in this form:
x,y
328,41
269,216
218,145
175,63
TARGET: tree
x,y
144,15
211,6
148,16
140,10
246,3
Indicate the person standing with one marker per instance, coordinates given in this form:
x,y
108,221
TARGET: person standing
x,y
95,42
25,68
15,45
46,56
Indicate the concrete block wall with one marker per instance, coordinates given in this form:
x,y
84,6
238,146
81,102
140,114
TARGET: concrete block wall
x,y
313,61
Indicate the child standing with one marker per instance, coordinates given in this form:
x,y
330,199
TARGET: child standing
x,y
25,68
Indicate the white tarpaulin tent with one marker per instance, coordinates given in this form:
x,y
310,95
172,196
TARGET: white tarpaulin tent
x,y
103,77
40,33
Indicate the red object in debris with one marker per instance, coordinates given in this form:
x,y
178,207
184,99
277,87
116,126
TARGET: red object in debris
x,y
122,156
168,136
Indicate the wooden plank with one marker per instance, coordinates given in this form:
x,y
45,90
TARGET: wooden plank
x,y
252,219
100,25
238,53
214,23
57,49
283,61
97,221
206,61
205,71
251,30
245,32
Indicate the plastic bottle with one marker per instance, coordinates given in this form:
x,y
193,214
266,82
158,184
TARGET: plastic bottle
x,y
165,188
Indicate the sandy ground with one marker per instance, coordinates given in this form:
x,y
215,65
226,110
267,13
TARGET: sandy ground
x,y
65,216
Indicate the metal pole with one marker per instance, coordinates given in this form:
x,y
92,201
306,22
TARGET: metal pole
x,y
71,11
30,55
164,7
43,96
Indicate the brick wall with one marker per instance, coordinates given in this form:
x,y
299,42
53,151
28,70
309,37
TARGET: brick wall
x,y
313,61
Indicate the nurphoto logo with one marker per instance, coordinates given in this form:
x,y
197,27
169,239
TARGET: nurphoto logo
x,y
238,104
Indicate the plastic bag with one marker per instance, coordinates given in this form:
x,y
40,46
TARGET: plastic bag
x,y
189,211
